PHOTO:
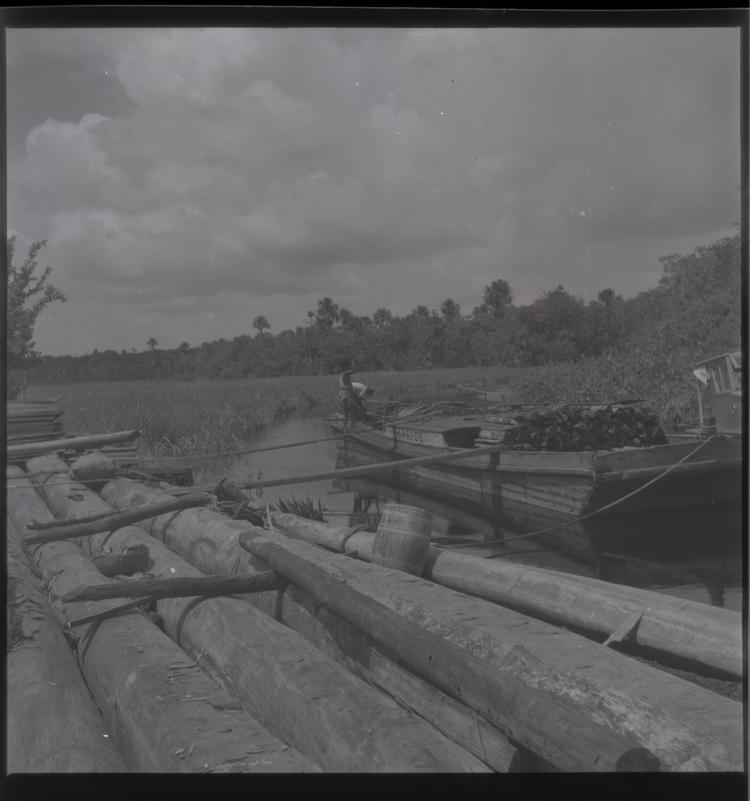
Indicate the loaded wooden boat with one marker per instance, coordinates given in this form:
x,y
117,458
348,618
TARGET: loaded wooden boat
x,y
702,468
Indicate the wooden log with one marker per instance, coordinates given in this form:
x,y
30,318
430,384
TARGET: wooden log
x,y
341,641
112,521
93,468
53,725
305,697
20,453
520,673
524,713
705,637
211,543
164,713
178,587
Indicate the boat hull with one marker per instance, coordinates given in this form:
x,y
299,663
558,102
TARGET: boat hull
x,y
525,486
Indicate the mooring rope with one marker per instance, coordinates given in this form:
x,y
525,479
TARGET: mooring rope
x,y
601,509
299,444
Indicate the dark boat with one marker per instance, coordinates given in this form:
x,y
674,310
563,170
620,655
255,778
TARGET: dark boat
x,y
702,468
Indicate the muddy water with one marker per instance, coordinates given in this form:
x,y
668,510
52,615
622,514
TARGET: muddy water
x,y
690,555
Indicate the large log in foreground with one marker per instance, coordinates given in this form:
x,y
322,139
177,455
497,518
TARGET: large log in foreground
x,y
537,722
538,683
164,713
16,454
306,698
211,543
53,725
704,636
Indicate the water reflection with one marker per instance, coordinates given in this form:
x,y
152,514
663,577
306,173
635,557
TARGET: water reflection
x,y
694,555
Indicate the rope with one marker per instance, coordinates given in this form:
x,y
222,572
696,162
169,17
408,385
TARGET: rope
x,y
245,451
590,514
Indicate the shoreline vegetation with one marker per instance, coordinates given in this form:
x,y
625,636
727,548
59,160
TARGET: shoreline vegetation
x,y
217,396
184,419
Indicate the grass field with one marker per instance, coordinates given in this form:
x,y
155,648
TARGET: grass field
x,y
184,418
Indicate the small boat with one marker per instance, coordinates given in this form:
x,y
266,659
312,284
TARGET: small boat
x,y
702,468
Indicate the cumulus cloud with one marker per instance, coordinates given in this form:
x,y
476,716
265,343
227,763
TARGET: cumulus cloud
x,y
390,167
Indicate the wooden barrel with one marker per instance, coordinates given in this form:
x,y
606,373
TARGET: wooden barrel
x,y
402,540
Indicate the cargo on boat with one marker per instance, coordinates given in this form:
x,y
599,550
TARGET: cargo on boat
x,y
533,473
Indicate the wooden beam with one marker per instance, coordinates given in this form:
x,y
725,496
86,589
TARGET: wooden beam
x,y
20,453
73,529
178,587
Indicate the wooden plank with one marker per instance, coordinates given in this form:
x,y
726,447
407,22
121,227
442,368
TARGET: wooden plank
x,y
520,673
52,724
210,542
702,635
19,453
309,700
203,586
163,711
117,520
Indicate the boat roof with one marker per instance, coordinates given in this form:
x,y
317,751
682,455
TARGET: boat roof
x,y
734,355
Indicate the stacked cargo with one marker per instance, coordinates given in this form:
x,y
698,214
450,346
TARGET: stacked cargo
x,y
33,422
585,428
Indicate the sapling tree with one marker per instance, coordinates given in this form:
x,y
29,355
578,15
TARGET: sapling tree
x,y
29,292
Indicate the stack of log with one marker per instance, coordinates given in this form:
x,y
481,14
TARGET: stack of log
x,y
33,422
585,428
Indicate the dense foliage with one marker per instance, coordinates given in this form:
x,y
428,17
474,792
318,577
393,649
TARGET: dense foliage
x,y
610,344
29,291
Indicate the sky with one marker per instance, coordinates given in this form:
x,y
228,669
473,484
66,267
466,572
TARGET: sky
x,y
189,179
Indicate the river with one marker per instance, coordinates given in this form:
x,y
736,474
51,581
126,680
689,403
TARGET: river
x,y
690,555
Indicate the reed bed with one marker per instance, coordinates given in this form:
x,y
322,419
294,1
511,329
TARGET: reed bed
x,y
193,418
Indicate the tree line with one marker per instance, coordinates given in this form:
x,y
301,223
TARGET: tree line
x,y
695,306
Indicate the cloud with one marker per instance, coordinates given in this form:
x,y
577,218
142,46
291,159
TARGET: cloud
x,y
404,165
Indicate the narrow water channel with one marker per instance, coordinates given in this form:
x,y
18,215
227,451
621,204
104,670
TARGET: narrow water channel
x,y
690,555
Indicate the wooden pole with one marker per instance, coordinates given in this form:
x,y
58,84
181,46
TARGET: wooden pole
x,y
163,712
305,698
704,636
210,542
24,451
72,530
53,725
537,687
178,587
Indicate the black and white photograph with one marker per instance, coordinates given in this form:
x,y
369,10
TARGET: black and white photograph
x,y
374,395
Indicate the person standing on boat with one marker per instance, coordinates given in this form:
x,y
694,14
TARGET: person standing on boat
x,y
351,396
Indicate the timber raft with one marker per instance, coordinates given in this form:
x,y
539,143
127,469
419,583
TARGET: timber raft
x,y
264,646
